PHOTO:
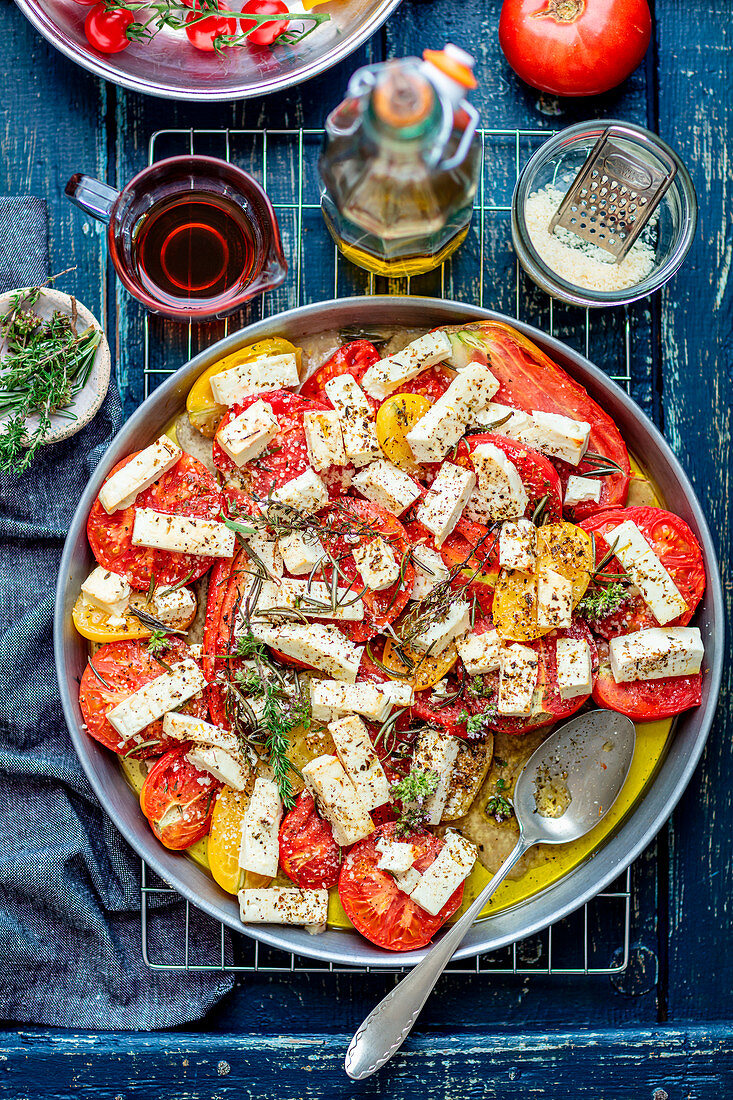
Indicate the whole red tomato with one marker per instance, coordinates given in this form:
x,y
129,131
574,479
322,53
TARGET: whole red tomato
x,y
202,33
106,30
574,47
266,33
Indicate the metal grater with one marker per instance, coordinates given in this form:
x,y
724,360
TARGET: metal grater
x,y
613,195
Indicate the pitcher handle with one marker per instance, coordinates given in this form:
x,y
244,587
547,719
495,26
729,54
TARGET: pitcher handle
x,y
92,196
466,138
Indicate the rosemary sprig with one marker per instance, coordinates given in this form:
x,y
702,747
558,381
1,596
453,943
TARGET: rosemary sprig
x,y
151,622
99,676
45,366
137,748
175,587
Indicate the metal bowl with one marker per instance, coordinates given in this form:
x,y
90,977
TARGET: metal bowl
x,y
170,67
579,885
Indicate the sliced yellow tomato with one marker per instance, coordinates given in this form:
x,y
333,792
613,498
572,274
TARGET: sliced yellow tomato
x,y
395,417
203,411
223,843
94,624
424,671
569,551
514,609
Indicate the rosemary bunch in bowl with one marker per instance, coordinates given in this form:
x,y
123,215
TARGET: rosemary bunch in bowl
x,y
45,366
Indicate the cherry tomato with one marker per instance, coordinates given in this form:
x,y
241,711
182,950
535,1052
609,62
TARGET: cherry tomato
x,y
266,33
308,853
376,906
574,47
676,547
106,29
202,33
125,667
178,800
645,700
186,490
354,359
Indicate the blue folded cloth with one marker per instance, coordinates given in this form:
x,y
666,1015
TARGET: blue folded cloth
x,y
70,952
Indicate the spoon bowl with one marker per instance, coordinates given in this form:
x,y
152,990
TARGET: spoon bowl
x,y
573,779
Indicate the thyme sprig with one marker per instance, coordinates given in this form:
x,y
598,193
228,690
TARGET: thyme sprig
x,y
45,367
411,793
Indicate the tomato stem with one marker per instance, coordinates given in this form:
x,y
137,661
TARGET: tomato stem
x,y
562,11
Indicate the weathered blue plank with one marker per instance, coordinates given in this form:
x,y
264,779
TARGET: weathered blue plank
x,y
693,1063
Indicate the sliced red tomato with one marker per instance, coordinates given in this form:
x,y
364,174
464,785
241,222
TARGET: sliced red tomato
x,y
354,359
285,458
431,383
676,547
308,853
530,380
474,549
451,716
551,707
118,670
178,799
645,700
376,906
538,475
186,490
368,520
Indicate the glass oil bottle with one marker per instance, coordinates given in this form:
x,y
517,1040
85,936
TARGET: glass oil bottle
x,y
400,165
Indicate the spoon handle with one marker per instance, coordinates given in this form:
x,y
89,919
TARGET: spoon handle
x,y
387,1026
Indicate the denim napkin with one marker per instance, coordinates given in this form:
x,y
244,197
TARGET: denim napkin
x,y
70,952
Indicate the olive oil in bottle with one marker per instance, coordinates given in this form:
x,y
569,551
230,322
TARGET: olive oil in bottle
x,y
400,165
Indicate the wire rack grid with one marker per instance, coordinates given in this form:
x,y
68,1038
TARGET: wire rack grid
x,y
596,939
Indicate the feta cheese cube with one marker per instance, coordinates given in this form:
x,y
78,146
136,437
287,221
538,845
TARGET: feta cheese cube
x,y
356,418
399,693
337,800
389,374
301,552
430,571
559,436
503,420
268,551
377,563
518,667
154,699
500,493
479,652
259,849
387,485
107,591
359,760
658,590
183,534
323,439
446,420
445,874
408,881
174,607
332,698
396,856
271,372
312,599
554,599
284,905
656,653
436,751
305,493
450,625
580,489
574,672
319,645
186,727
228,769
518,545
121,489
246,436
445,500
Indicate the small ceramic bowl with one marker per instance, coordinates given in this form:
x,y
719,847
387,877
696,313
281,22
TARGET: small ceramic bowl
x,y
87,403
557,162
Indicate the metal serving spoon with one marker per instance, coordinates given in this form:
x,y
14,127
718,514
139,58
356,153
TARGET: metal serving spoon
x,y
566,787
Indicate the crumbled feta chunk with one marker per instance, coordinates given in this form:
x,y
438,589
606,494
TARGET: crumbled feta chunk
x,y
259,849
357,419
554,599
301,552
324,439
311,598
319,645
500,493
377,563
246,436
445,500
581,489
271,372
106,591
389,374
479,652
518,545
396,857
436,751
121,489
436,637
359,760
518,666
171,607
182,534
446,420
332,698
306,493
574,672
387,485
430,571
445,874
337,800
656,653
659,592
284,905
220,764
150,702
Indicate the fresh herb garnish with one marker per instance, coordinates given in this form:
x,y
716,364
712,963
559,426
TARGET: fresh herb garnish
x,y
412,793
500,808
158,642
45,366
477,725
599,602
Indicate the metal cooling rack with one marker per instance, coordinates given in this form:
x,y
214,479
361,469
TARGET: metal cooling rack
x,y
595,940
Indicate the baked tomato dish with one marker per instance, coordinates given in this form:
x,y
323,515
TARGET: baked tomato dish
x,y
348,578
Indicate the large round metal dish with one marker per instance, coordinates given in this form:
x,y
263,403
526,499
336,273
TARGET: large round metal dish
x,y
170,67
587,879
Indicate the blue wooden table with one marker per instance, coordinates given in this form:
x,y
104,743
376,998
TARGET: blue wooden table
x,y
662,1029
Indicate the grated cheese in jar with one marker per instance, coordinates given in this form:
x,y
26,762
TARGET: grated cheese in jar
x,y
578,261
